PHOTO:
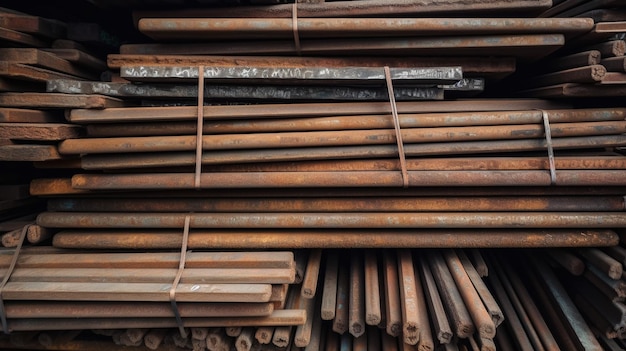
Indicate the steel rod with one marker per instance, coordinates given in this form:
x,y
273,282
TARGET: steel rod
x,y
338,122
373,315
481,288
329,294
451,238
483,323
386,220
277,318
259,28
173,113
309,283
65,291
356,311
341,323
437,313
341,204
333,138
392,295
408,297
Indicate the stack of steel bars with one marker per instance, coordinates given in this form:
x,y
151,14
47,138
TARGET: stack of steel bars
x,y
362,139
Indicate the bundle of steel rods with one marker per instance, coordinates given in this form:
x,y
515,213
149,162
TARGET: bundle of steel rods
x,y
77,290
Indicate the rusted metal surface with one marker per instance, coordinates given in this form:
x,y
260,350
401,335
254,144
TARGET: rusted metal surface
x,y
485,326
286,74
527,46
441,326
456,310
356,312
277,318
347,179
76,309
171,113
480,238
408,296
334,138
472,66
433,8
256,92
386,220
167,29
342,204
367,121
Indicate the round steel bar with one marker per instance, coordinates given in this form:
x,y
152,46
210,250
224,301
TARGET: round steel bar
x,y
346,179
432,238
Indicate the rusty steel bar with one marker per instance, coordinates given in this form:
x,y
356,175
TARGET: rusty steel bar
x,y
219,112
504,272
278,28
277,318
309,283
534,314
524,46
341,322
303,334
613,289
426,341
568,260
155,338
245,339
264,335
408,297
457,312
301,258
338,122
614,64
482,319
587,74
161,181
574,323
283,334
580,59
84,259
341,204
147,162
392,294
373,315
481,288
356,305
437,312
63,187
137,292
329,294
429,76
472,66
450,238
317,334
378,8
479,262
334,138
515,326
386,220
606,263
152,275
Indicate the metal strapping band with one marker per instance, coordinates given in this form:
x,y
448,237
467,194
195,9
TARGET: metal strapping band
x,y
396,124
181,268
199,127
548,134
294,27
7,276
